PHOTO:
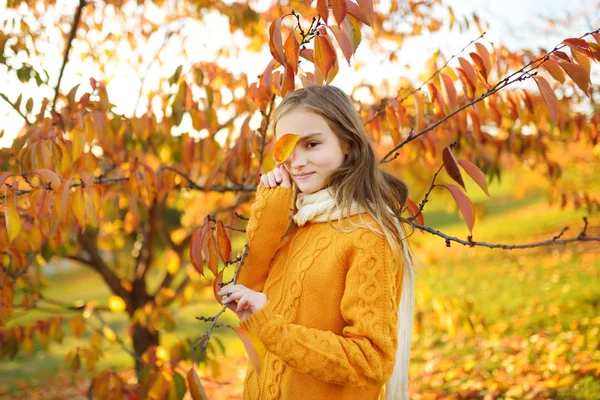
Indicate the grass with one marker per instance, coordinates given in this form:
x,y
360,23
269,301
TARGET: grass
x,y
522,291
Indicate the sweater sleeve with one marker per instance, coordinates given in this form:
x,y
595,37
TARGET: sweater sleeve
x,y
269,215
364,354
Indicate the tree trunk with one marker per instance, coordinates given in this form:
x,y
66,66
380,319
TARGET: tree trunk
x,y
143,338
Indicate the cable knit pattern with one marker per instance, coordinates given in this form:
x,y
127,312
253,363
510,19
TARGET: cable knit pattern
x,y
330,322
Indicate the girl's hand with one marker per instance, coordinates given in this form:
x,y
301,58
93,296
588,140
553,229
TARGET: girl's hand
x,y
248,302
278,177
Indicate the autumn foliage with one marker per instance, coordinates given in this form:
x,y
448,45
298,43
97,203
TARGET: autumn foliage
x,y
150,210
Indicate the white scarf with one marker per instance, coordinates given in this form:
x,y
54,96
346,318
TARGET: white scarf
x,y
315,207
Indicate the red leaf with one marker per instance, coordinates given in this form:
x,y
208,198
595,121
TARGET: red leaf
x,y
475,173
344,41
464,205
451,166
414,209
549,97
579,44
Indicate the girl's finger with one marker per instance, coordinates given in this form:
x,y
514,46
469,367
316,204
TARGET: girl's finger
x,y
278,176
243,303
271,177
264,180
286,179
233,296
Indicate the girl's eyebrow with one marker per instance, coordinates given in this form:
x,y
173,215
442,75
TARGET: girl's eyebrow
x,y
310,135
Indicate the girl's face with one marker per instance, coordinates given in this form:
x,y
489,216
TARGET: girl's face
x,y
316,155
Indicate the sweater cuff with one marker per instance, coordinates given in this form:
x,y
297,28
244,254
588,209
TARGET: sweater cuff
x,y
255,322
279,192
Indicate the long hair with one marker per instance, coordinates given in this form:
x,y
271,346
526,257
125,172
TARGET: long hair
x,y
360,179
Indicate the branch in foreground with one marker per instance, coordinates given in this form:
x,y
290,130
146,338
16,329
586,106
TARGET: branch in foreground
x,y
582,237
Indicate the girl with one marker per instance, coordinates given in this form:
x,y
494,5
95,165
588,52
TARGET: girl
x,y
322,289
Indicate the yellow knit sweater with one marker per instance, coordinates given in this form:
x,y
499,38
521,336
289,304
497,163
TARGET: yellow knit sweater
x,y
330,322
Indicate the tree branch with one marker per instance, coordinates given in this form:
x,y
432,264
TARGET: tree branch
x,y
76,19
97,264
15,108
581,237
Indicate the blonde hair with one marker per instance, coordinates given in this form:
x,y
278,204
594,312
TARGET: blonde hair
x,y
360,177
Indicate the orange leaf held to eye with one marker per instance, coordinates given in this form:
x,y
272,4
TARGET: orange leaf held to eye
x,y
284,146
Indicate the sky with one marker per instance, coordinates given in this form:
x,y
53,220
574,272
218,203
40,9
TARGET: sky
x,y
514,23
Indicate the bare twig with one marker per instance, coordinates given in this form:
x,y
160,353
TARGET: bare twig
x,y
14,106
76,19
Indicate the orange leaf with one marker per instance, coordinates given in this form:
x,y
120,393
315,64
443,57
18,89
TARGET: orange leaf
x,y
393,123
367,7
468,86
78,207
577,73
223,242
469,70
196,389
324,53
284,146
291,50
481,69
196,251
288,80
323,9
549,97
464,205
419,112
212,257
217,286
485,56
275,41
555,71
254,348
436,101
11,215
475,173
49,177
4,176
355,11
339,10
451,166
449,91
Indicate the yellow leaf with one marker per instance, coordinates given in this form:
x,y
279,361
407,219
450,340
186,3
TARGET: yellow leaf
x,y
284,146
11,215
253,346
78,207
196,389
109,334
116,304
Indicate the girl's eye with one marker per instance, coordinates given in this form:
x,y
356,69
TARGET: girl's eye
x,y
315,143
